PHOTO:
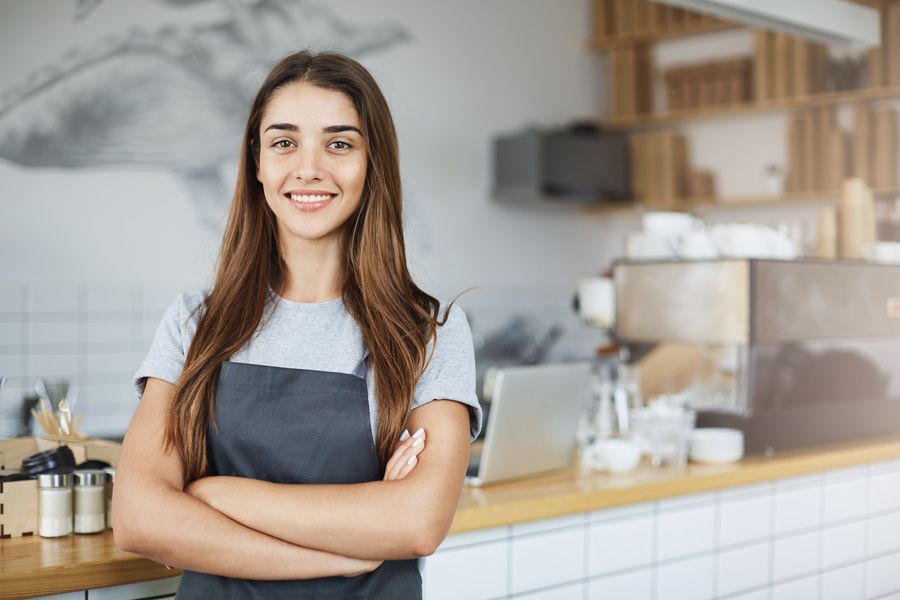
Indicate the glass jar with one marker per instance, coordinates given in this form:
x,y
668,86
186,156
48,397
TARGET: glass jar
x,y
55,504
90,501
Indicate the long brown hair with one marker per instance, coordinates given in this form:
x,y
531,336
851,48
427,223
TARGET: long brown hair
x,y
396,318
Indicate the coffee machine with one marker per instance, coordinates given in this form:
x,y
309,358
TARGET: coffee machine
x,y
793,353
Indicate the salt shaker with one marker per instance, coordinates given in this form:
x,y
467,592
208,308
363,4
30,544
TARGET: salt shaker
x,y
55,504
90,501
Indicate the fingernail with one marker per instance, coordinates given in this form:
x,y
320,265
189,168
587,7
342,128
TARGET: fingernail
x,y
404,435
419,432
411,460
417,441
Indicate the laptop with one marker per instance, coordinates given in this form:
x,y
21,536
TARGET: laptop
x,y
532,423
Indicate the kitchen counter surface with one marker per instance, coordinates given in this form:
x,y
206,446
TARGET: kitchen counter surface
x,y
33,565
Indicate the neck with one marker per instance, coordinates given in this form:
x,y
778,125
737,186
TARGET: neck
x,y
314,268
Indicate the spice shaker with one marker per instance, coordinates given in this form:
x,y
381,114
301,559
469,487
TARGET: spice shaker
x,y
55,504
90,501
110,481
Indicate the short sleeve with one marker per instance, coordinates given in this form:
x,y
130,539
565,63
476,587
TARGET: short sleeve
x,y
170,345
451,373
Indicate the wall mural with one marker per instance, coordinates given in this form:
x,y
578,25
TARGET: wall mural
x,y
175,97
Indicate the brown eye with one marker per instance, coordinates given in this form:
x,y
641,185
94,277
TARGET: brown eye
x,y
340,145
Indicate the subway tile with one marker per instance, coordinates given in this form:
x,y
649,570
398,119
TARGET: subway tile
x,y
477,536
52,299
843,544
755,489
106,426
686,531
847,583
744,520
547,559
633,585
12,300
478,572
57,366
12,333
618,512
789,483
796,555
800,589
620,544
762,594
883,534
12,365
573,591
883,575
690,579
111,362
685,500
884,491
109,298
743,568
39,333
576,519
98,332
797,508
845,499
857,472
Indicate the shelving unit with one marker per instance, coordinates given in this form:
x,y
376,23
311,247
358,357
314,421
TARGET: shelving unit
x,y
782,66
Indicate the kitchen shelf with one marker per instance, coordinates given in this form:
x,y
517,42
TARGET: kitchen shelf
x,y
601,44
703,204
750,108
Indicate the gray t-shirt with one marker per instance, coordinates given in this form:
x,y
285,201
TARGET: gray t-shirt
x,y
320,336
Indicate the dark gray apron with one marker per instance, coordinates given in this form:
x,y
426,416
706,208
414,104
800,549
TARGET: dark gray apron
x,y
296,426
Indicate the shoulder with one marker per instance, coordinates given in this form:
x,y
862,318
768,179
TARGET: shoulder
x,y
183,313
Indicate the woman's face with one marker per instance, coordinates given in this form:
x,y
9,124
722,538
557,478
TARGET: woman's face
x,y
312,161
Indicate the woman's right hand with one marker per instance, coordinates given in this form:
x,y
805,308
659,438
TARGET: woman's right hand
x,y
404,459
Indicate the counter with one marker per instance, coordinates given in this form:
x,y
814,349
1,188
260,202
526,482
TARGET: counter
x,y
491,522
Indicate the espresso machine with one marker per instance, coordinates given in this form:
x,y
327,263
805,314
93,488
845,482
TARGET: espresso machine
x,y
793,353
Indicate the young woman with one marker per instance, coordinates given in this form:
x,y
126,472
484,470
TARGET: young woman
x,y
271,455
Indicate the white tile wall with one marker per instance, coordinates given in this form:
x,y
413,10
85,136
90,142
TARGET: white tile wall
x,y
96,335
800,589
742,569
847,583
633,585
749,543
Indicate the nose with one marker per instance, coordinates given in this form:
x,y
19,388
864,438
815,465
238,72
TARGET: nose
x,y
308,166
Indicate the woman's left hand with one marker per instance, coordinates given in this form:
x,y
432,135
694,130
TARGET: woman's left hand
x,y
405,457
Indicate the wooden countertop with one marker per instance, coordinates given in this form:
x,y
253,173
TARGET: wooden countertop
x,y
34,565
581,489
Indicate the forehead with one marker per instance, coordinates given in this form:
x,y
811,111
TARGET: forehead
x,y
309,107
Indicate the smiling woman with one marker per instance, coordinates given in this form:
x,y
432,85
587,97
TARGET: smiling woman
x,y
271,454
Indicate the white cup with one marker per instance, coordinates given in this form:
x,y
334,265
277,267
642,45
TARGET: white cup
x,y
597,301
616,455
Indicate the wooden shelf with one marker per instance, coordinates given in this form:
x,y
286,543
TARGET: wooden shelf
x,y
750,108
704,204
601,44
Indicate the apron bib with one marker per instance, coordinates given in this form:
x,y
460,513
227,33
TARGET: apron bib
x,y
296,426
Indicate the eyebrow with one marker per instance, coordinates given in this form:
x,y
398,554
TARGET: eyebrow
x,y
329,129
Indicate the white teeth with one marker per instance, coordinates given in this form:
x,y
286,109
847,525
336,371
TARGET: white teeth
x,y
318,198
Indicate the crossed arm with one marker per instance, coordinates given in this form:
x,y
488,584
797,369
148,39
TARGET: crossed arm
x,y
379,520
306,531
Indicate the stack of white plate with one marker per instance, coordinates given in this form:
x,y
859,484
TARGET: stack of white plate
x,y
717,445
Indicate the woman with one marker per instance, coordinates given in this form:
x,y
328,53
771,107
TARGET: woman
x,y
270,455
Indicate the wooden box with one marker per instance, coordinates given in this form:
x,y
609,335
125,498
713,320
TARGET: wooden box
x,y
19,499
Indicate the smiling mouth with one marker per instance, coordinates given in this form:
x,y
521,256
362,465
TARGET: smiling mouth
x,y
309,199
